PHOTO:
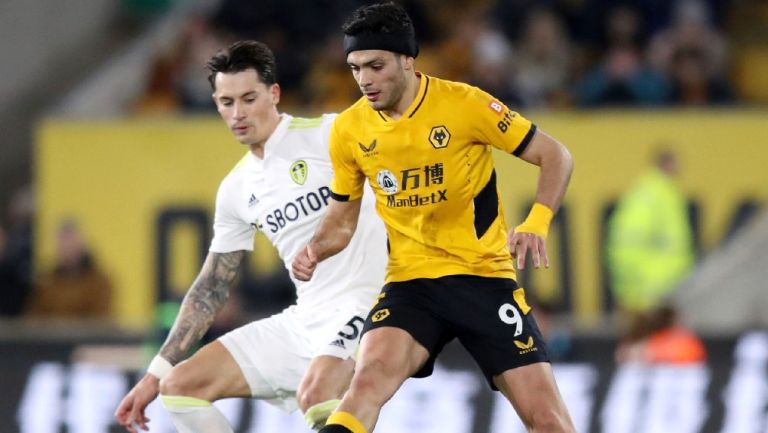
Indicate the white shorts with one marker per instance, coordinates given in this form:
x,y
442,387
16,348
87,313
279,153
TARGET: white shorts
x,y
274,353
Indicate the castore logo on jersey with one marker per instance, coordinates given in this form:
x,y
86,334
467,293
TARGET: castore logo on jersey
x,y
368,150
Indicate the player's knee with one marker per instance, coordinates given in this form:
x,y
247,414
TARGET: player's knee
x,y
311,395
177,383
318,387
550,421
172,384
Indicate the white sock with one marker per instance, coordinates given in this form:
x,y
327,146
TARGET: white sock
x,y
192,415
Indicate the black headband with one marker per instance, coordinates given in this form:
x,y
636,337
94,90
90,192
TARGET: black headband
x,y
398,43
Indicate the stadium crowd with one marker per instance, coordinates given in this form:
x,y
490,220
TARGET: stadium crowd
x,y
550,54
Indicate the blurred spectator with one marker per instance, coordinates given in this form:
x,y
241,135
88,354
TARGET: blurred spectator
x,y
328,87
691,83
473,50
490,66
454,54
622,76
543,61
650,246
690,31
512,15
657,337
76,287
590,29
159,95
16,254
200,42
175,71
292,28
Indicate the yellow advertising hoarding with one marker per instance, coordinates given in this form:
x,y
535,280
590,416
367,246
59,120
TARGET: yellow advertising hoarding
x,y
140,186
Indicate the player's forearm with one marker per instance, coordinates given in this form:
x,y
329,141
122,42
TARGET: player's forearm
x,y
330,238
556,167
204,299
336,229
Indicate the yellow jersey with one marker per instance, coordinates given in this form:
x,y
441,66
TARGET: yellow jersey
x,y
433,176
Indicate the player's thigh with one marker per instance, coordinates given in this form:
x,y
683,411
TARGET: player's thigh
x,y
532,391
210,374
391,354
403,330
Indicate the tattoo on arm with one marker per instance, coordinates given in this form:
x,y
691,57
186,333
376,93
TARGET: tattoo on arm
x,y
204,299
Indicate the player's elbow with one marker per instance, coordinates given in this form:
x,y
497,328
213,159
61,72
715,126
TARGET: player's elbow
x,y
339,242
347,233
344,231
557,160
566,159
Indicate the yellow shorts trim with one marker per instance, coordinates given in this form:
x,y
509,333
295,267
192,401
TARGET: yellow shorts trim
x,y
519,295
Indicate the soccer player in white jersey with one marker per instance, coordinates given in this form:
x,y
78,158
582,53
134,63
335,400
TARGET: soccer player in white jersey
x,y
303,356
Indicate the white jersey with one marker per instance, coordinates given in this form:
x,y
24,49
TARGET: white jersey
x,y
285,195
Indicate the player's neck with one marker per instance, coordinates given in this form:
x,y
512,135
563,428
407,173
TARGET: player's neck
x,y
409,94
257,148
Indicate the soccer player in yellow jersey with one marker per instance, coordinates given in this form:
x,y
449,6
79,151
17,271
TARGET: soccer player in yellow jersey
x,y
424,144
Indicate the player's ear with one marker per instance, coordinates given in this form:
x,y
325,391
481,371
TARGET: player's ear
x,y
215,101
408,62
275,92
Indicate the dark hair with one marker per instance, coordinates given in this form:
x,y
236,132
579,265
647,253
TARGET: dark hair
x,y
241,56
379,18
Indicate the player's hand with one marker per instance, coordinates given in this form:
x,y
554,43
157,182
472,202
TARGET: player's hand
x,y
304,264
130,412
521,243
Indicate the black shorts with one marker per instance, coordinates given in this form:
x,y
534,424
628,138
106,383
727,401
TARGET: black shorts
x,y
489,316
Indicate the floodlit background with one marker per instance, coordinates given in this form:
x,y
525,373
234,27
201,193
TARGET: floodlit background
x,y
655,308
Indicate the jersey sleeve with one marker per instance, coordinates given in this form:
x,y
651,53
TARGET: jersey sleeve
x,y
230,233
499,126
348,180
328,120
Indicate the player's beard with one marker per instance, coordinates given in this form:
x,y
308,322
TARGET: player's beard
x,y
395,95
